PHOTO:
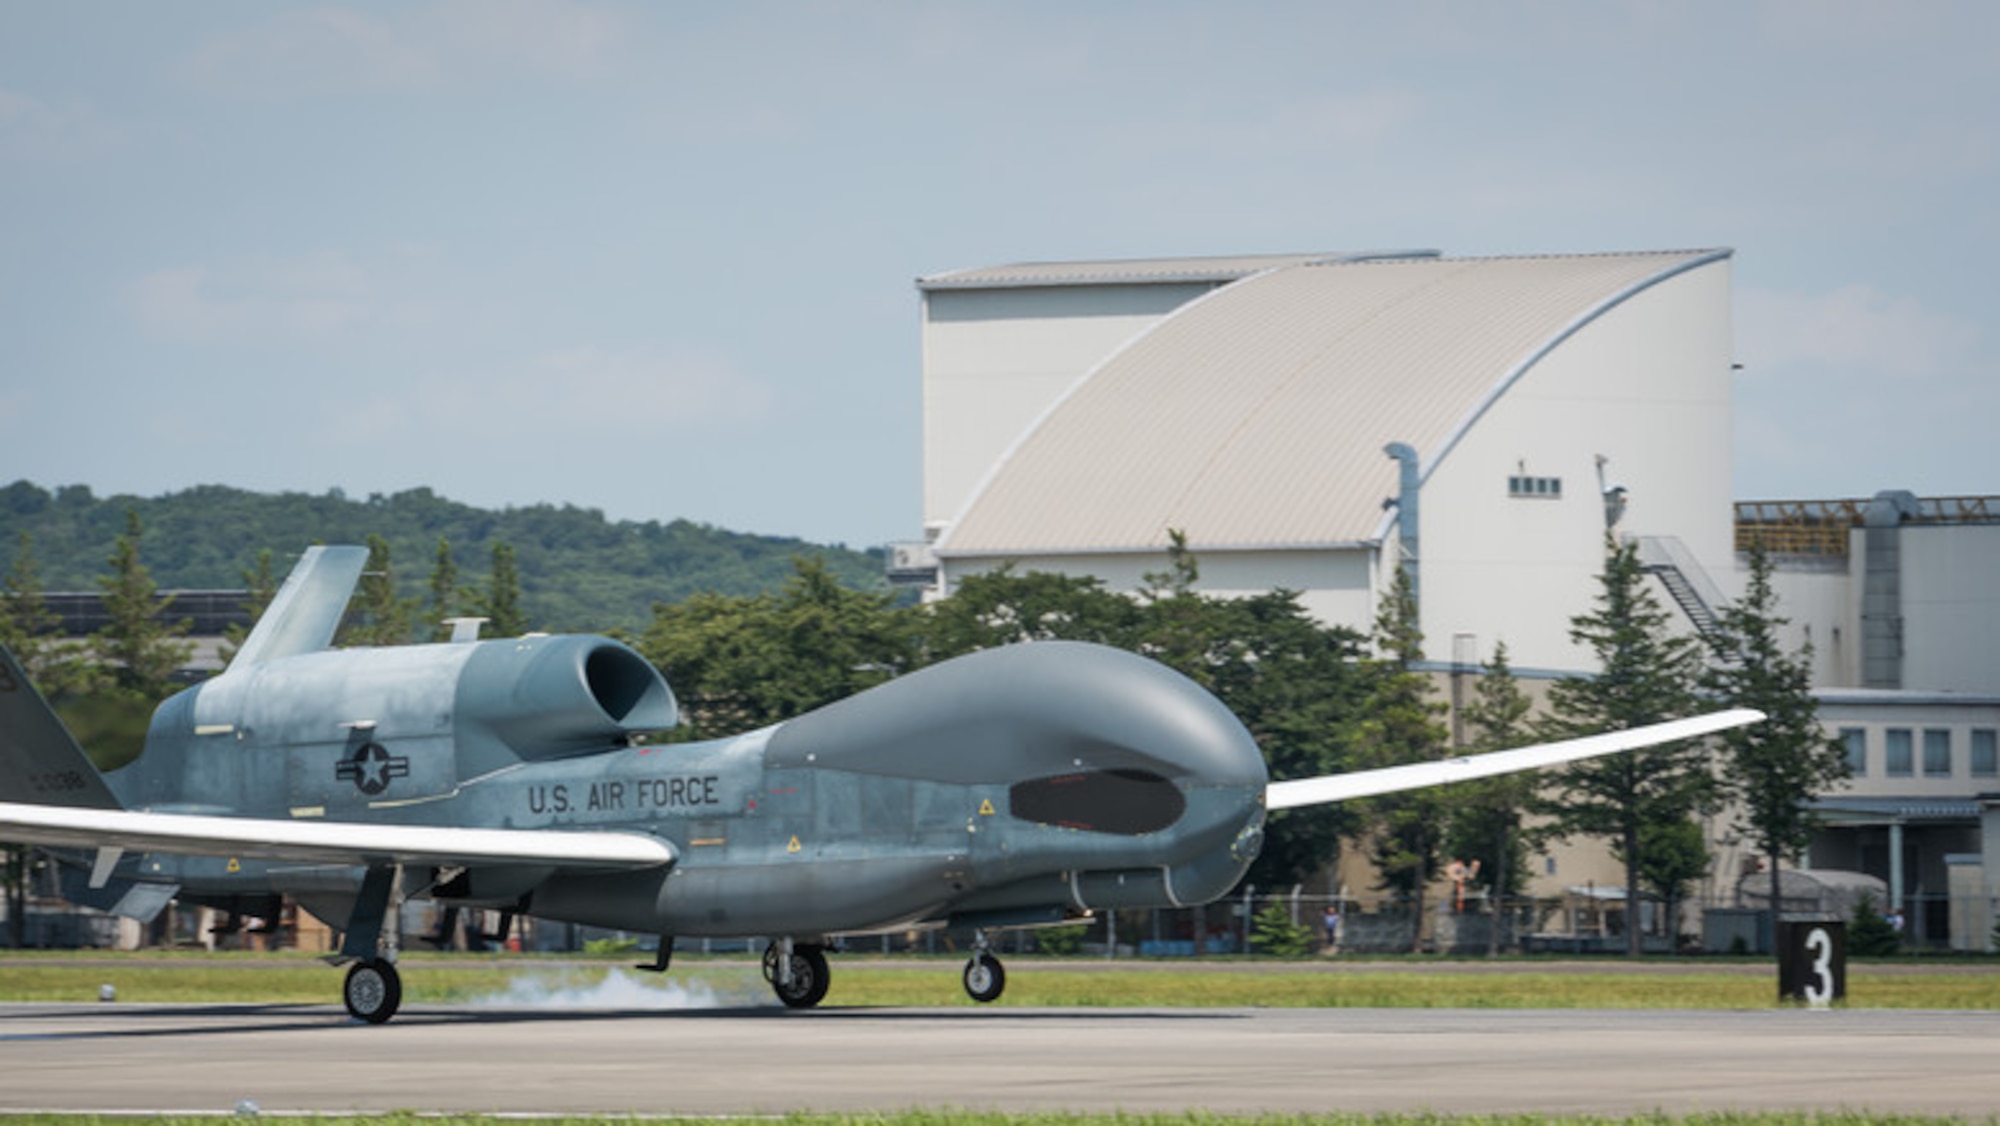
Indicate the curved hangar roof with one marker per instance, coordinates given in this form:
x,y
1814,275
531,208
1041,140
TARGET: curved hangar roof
x,y
1256,415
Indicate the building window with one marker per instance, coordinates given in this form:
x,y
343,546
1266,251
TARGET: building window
x,y
1896,753
1856,739
1985,757
1546,488
1937,752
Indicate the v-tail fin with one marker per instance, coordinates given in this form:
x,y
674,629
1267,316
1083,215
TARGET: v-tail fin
x,y
40,762
307,609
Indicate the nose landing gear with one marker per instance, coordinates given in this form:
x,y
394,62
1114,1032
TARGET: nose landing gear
x,y
984,976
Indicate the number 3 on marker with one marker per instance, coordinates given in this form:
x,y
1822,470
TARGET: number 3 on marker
x,y
1819,986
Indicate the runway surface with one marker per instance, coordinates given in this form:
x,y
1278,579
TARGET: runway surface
x,y
748,1061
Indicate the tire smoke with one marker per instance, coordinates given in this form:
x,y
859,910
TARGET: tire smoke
x,y
619,989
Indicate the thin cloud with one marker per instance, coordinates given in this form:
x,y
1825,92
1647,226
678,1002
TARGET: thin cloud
x,y
311,296
551,36
338,50
16,407
33,129
586,387
562,397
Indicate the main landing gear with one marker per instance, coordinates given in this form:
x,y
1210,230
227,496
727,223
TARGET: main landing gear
x,y
797,972
374,990
799,976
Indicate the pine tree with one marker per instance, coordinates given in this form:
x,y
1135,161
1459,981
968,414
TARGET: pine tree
x,y
1177,628
378,616
1486,815
1401,724
144,653
1870,934
32,632
445,599
1646,674
1775,768
27,621
504,617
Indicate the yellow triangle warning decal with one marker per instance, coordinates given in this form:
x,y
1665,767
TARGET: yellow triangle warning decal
x,y
794,846
234,866
986,808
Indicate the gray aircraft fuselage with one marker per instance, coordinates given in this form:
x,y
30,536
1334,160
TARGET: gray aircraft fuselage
x,y
1015,786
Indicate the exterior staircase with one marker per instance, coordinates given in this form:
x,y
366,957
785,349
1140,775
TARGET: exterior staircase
x,y
1687,582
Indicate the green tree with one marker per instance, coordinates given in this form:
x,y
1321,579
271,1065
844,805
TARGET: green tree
x,y
1401,724
1004,607
1178,627
32,632
611,571
445,597
1775,768
1869,934
378,616
502,604
738,663
137,656
1273,932
26,622
1486,814
142,651
1646,674
1672,856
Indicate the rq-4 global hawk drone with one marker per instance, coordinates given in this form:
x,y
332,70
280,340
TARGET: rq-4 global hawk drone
x,y
1015,787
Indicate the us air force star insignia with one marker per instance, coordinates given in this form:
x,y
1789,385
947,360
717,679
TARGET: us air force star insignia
x,y
371,768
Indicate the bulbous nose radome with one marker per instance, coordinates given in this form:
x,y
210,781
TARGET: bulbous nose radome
x,y
1038,710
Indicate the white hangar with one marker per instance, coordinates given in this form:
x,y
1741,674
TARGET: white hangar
x,y
1306,420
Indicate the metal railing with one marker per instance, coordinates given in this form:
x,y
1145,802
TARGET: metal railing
x,y
1821,527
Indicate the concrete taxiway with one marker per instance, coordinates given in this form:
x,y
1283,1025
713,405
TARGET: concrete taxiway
x,y
312,1058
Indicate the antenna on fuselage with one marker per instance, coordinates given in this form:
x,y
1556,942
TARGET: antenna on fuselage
x,y
464,630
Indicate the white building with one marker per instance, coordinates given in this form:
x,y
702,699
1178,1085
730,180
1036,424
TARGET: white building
x,y
1305,420
1898,596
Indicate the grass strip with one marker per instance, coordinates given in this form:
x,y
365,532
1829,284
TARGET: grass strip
x,y
267,980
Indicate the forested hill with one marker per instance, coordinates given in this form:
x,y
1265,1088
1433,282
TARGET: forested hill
x,y
578,571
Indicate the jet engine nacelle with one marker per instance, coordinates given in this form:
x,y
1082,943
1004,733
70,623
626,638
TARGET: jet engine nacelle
x,y
498,701
546,697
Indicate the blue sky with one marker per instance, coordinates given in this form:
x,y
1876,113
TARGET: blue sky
x,y
658,258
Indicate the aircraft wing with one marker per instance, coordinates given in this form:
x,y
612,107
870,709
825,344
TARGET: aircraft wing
x,y
1415,776
326,842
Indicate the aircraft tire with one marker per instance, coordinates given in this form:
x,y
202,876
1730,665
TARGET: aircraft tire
x,y
809,976
985,978
374,990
